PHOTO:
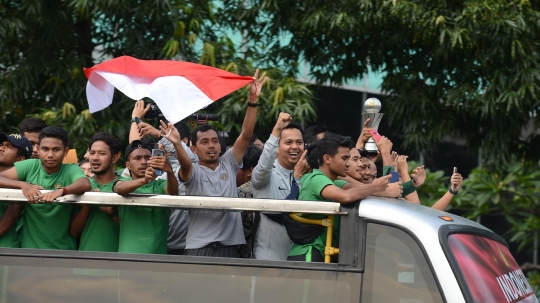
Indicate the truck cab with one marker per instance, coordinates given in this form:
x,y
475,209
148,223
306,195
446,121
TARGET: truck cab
x,y
389,251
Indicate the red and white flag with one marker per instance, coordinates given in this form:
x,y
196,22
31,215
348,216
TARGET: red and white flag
x,y
178,88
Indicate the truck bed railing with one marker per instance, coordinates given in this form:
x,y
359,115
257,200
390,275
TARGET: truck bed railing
x,y
188,202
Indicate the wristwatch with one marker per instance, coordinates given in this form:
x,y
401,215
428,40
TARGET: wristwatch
x,y
453,192
136,120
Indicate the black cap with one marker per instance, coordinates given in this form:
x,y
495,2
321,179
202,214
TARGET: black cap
x,y
135,145
19,141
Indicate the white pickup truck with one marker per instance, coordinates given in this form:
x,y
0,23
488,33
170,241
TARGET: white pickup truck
x,y
390,251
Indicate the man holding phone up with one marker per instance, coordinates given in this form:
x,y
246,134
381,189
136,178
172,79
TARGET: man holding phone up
x,y
144,229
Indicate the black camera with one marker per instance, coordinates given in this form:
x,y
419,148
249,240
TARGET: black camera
x,y
153,113
223,136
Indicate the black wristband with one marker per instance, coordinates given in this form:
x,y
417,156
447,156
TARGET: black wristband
x,y
114,213
136,120
254,104
453,192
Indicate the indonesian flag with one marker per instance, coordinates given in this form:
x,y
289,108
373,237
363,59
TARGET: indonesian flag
x,y
178,88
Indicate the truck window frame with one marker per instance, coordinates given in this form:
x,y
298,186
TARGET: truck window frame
x,y
415,239
449,229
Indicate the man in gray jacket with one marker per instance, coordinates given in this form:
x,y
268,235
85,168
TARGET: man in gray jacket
x,y
272,179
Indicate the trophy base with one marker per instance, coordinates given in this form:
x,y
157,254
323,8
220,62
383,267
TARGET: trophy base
x,y
370,146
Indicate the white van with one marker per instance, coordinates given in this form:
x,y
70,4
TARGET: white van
x,y
390,251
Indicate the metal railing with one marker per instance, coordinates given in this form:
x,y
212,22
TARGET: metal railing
x,y
188,202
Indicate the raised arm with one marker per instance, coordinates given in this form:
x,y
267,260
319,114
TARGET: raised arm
x,y
455,184
239,147
364,135
172,134
263,170
403,169
354,192
138,112
385,147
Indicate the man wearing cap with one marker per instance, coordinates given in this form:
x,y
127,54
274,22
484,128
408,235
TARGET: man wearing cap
x,y
47,225
13,148
144,229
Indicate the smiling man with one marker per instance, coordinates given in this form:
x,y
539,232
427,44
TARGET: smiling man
x,y
47,225
360,168
272,178
329,158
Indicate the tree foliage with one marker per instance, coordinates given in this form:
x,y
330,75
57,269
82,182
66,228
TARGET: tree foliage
x,y
46,43
511,192
470,68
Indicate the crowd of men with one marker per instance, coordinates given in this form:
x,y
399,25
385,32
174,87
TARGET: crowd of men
x,y
312,164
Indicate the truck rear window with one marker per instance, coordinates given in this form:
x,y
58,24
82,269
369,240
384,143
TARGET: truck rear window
x,y
489,269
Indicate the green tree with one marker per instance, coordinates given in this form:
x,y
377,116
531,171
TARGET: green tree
x,y
511,192
46,43
470,68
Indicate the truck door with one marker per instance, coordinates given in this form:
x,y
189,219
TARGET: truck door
x,y
396,269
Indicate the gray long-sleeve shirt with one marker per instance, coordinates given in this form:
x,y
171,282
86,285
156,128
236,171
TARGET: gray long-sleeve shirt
x,y
269,179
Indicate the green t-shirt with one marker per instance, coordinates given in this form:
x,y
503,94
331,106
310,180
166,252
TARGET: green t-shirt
x,y
46,225
11,237
312,186
100,232
144,229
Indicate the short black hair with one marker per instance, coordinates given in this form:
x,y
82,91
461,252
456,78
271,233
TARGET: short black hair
x,y
310,134
251,157
32,125
150,142
329,145
183,129
21,152
297,126
83,161
363,153
114,144
253,139
201,128
54,132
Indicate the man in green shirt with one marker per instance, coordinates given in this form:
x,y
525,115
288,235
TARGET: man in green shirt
x,y
13,148
47,225
101,231
329,158
144,229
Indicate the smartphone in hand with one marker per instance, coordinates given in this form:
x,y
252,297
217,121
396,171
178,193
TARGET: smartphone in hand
x,y
156,152
375,135
394,178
